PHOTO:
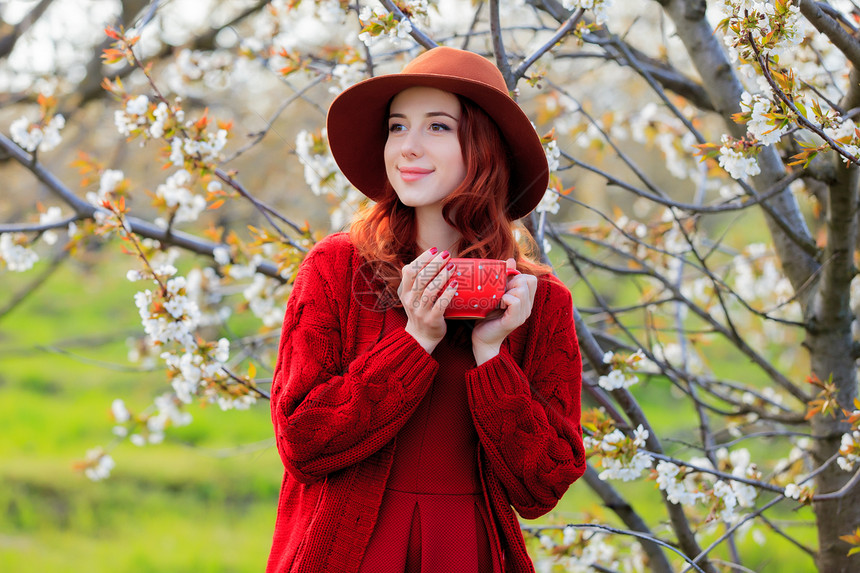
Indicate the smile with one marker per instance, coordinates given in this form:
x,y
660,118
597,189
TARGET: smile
x,y
413,173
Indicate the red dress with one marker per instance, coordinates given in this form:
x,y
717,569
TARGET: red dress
x,y
434,517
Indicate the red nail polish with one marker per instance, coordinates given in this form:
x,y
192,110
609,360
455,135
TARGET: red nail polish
x,y
434,250
453,284
445,254
449,267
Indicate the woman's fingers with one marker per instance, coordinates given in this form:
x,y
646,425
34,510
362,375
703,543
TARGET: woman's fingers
x,y
423,271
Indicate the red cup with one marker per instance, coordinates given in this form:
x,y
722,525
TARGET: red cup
x,y
480,286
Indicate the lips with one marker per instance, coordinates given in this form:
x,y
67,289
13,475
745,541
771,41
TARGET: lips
x,y
413,173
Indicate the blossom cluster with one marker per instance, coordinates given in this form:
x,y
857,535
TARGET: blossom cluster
x,y
650,125
846,134
191,142
98,464
773,27
44,135
578,550
622,373
191,369
49,217
177,196
549,203
167,315
210,70
600,8
726,496
624,457
110,182
738,157
148,427
670,479
264,296
765,124
15,252
757,276
849,451
324,177
378,23
619,454
141,117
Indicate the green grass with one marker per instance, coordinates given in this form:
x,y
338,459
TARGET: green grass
x,y
203,501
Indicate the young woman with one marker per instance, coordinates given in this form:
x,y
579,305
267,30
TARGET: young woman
x,y
408,439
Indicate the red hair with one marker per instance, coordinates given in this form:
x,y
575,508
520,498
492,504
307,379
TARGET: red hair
x,y
385,233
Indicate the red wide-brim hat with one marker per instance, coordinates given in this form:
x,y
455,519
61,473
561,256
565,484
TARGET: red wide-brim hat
x,y
357,122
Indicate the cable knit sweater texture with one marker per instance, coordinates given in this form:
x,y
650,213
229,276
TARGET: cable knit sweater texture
x,y
341,392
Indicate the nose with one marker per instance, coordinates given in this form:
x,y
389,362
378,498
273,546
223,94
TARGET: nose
x,y
410,144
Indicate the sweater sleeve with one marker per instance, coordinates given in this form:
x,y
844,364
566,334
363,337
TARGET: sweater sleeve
x,y
528,419
328,415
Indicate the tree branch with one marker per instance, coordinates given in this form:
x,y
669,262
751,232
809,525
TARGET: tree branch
x,y
38,227
499,47
833,29
417,35
7,42
563,30
657,561
143,228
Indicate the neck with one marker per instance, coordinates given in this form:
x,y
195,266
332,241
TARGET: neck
x,y
434,231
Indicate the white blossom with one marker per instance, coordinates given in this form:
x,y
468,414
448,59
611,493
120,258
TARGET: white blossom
x,y
177,158
108,182
262,297
552,154
100,464
549,202
737,164
845,128
792,490
138,105
598,7
177,195
676,490
617,379
119,411
849,451
759,126
186,318
168,410
17,257
31,137
156,129
346,76
616,468
320,169
50,216
51,134
239,403
221,255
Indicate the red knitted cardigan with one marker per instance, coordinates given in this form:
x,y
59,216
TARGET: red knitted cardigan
x,y
341,392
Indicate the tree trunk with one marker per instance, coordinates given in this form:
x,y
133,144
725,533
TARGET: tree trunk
x,y
830,345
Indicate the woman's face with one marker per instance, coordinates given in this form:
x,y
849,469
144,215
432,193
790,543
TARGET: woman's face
x,y
423,158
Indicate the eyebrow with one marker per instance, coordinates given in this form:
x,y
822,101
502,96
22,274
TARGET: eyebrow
x,y
428,114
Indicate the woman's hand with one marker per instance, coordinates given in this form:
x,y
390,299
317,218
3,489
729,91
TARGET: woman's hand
x,y
517,302
425,296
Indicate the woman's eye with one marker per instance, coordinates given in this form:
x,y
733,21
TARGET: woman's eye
x,y
396,127
439,127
